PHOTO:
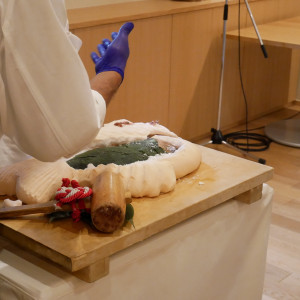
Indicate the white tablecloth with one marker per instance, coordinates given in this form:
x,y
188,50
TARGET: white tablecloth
x,y
218,254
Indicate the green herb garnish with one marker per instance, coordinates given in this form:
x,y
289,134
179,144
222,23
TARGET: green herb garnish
x,y
119,155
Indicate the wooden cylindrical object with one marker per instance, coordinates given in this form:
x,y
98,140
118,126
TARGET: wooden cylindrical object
x,y
108,205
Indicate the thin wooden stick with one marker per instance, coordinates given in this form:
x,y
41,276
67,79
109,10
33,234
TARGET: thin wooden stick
x,y
28,209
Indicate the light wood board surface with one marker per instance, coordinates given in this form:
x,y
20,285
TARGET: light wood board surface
x,y
76,246
283,33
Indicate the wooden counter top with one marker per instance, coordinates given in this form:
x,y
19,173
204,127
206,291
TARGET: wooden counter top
x,y
282,33
118,12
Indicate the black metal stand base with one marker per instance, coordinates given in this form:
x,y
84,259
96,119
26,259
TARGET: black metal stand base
x,y
217,138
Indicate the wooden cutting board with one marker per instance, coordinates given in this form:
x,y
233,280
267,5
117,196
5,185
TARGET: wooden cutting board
x,y
85,252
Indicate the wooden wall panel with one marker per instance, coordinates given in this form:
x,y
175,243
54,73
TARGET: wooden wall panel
x,y
173,74
195,80
267,81
195,72
288,8
294,87
144,94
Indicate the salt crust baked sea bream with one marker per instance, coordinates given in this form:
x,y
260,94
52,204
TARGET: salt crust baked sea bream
x,y
34,181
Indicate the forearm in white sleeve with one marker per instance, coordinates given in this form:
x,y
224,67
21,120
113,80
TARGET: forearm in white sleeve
x,y
100,106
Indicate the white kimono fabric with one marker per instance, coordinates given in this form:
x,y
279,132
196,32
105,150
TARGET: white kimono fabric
x,y
47,108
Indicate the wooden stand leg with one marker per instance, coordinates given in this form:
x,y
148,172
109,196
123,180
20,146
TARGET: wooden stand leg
x,y
94,272
250,196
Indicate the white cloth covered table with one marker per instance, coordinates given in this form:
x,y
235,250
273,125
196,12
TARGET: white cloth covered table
x,y
218,254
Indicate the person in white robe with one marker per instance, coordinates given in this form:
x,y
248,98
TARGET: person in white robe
x,y
48,106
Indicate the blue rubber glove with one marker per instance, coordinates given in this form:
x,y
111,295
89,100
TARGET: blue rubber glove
x,y
114,54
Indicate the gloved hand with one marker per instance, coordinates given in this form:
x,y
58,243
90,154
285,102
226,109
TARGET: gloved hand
x,y
114,54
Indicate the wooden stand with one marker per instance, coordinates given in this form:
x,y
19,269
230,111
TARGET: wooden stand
x,y
286,34
85,252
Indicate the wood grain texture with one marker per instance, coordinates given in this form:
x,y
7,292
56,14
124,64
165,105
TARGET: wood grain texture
x,y
284,33
45,208
94,272
250,196
144,94
82,16
86,14
108,205
173,73
195,80
76,246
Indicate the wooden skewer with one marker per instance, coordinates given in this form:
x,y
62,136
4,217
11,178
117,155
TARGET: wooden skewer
x,y
28,209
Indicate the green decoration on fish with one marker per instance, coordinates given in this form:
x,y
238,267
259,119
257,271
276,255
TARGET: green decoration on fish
x,y
119,155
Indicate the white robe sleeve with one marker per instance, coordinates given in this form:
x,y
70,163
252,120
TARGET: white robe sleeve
x,y
47,106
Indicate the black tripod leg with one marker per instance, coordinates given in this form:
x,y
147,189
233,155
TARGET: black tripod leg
x,y
260,160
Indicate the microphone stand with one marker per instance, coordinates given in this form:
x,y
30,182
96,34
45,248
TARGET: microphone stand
x,y
217,136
